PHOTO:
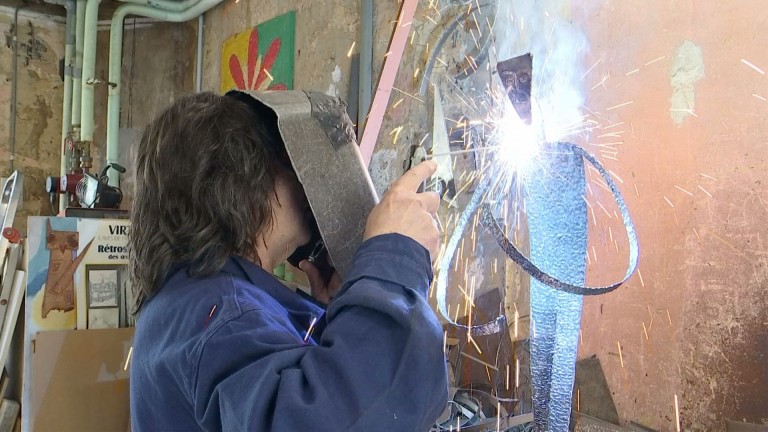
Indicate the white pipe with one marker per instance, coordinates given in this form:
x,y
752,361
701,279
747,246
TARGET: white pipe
x,y
69,48
66,117
136,23
77,72
167,5
366,65
199,58
115,62
171,5
89,79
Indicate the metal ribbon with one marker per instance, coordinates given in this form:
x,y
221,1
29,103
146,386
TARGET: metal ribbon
x,y
488,220
499,323
515,255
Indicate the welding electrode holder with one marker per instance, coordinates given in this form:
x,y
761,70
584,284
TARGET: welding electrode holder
x,y
417,155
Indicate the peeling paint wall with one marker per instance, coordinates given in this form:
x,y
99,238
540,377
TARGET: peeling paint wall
x,y
693,162
324,35
158,65
39,97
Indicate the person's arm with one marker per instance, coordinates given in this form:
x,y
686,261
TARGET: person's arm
x,y
379,365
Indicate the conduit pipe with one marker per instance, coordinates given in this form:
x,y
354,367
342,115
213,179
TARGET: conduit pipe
x,y
173,6
115,60
167,5
366,65
77,72
66,117
14,88
89,81
199,58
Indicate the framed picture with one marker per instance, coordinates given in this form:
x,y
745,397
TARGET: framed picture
x,y
103,318
127,298
103,286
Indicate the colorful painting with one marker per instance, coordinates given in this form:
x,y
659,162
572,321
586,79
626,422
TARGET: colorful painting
x,y
260,58
62,263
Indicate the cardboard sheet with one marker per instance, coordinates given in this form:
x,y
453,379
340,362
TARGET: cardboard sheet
x,y
80,381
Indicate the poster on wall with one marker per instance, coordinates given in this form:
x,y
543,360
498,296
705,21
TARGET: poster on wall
x,y
77,273
77,278
260,58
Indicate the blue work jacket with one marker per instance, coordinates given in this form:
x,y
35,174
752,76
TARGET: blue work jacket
x,y
238,351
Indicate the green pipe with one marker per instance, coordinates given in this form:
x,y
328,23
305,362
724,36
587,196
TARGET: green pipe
x,y
115,64
66,117
168,5
89,80
173,6
69,48
365,66
77,72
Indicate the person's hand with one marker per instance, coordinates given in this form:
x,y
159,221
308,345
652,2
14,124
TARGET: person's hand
x,y
321,290
404,211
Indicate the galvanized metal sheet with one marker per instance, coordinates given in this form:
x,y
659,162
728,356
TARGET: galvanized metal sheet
x,y
320,141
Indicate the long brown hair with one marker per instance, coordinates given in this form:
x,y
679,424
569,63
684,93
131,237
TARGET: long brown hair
x,y
205,173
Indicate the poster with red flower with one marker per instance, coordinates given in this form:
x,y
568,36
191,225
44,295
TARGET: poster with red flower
x,y
260,58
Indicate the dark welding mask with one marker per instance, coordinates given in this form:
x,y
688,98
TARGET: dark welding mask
x,y
319,139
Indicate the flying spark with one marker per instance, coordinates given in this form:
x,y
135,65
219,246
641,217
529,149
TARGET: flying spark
x,y
590,69
704,190
621,357
128,359
616,176
632,72
655,60
760,71
683,190
471,357
310,329
408,94
685,110
602,82
619,105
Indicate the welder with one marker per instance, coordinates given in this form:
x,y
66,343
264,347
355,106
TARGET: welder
x,y
220,343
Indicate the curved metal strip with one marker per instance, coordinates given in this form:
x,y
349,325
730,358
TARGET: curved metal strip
x,y
495,326
480,57
515,255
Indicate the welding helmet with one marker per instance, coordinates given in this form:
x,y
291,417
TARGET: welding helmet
x,y
319,139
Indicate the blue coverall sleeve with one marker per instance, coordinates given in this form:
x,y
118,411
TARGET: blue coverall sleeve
x,y
379,365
